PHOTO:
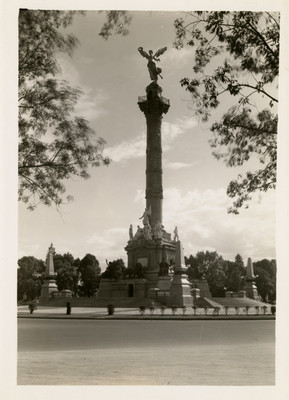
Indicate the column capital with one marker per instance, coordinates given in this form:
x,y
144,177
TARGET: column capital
x,y
153,102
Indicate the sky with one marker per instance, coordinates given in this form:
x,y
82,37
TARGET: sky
x,y
112,75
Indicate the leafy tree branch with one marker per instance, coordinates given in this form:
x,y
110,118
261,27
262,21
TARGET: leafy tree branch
x,y
245,48
54,143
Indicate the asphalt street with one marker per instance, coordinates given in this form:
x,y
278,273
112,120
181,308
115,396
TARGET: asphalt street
x,y
96,352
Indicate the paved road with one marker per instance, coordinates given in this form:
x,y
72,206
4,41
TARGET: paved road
x,y
55,352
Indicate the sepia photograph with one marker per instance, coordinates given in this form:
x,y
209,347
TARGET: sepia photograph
x,y
149,154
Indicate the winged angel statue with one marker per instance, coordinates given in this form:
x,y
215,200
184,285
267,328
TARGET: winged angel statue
x,y
154,71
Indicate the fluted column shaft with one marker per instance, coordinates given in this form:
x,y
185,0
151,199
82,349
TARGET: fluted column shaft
x,y
154,106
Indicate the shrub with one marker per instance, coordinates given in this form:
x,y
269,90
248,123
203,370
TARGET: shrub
x,y
163,308
142,310
195,309
110,309
32,307
174,309
152,309
216,310
264,308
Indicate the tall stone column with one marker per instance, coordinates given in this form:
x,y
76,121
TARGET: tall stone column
x,y
154,105
152,245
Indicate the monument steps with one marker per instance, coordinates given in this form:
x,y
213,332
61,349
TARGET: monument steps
x,y
230,302
239,302
130,302
202,302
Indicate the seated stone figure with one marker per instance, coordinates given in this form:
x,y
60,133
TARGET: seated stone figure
x,y
158,230
139,233
136,272
164,268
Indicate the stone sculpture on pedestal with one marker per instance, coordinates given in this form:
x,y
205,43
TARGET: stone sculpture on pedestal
x,y
49,284
152,244
154,71
250,287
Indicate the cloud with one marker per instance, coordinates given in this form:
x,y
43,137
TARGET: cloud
x,y
90,106
177,59
204,224
109,245
136,147
90,103
140,196
170,131
178,165
127,150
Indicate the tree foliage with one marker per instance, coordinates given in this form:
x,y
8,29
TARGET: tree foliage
x,y
235,272
265,270
117,23
54,143
29,277
208,265
67,272
236,63
223,275
114,270
89,275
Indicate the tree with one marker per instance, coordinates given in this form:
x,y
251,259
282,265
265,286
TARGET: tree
x,y
29,277
192,271
265,270
54,143
211,266
67,273
114,270
116,23
245,48
89,275
235,271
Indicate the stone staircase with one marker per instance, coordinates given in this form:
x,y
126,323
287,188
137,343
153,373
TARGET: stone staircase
x,y
230,302
202,302
125,302
239,302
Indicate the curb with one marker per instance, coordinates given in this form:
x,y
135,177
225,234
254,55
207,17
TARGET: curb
x,y
153,318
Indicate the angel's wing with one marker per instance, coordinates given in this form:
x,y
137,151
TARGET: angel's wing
x,y
160,51
143,53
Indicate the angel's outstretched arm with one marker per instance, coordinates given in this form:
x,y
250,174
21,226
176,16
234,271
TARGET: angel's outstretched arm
x,y
143,53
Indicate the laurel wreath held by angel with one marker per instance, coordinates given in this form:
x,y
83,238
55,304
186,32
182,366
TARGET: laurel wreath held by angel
x,y
154,71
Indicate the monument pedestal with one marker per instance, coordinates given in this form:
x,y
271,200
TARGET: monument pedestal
x,y
250,287
150,254
204,288
180,290
47,288
251,290
164,282
49,284
195,293
122,288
